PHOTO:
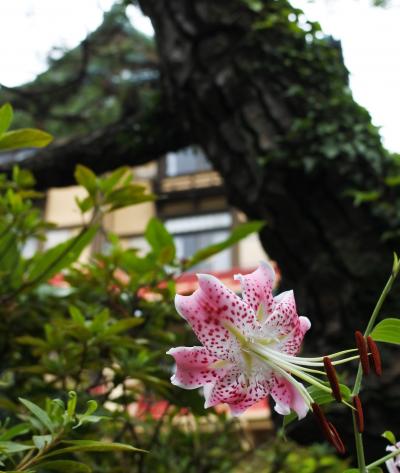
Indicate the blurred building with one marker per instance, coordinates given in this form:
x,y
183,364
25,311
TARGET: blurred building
x,y
191,203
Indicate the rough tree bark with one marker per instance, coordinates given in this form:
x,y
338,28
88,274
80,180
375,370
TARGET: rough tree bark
x,y
218,75
132,141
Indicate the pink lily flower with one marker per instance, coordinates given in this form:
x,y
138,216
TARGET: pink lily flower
x,y
249,345
393,465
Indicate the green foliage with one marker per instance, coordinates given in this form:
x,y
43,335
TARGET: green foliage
x,y
91,86
328,129
6,116
42,434
97,330
388,331
388,435
287,457
23,138
109,193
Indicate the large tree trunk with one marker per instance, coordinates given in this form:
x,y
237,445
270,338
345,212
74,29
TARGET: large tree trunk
x,y
273,112
270,105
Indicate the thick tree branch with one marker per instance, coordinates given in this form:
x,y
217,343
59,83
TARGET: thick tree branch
x,y
133,141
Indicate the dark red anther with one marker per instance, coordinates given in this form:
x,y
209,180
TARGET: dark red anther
x,y
332,377
336,440
359,414
322,420
362,350
328,429
375,356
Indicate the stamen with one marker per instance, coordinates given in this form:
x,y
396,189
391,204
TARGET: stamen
x,y
362,350
360,414
346,360
336,439
328,429
322,420
274,359
376,356
332,377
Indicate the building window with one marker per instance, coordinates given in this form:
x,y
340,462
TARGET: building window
x,y
195,232
30,247
60,235
186,161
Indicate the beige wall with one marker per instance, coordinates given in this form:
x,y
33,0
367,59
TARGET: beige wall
x,y
131,220
61,207
250,252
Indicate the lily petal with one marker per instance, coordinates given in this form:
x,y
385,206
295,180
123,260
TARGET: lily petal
x,y
257,289
234,390
284,315
210,309
393,465
288,398
292,342
194,367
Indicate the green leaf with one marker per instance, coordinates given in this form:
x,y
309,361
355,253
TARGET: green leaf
x,y
24,138
360,196
46,264
239,233
128,195
71,406
123,325
39,413
393,181
29,340
19,429
109,182
323,397
92,446
86,178
23,178
388,331
85,204
87,416
68,466
14,447
42,441
6,116
160,240
388,435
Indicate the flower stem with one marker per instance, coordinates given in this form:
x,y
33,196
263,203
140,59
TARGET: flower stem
x,y
381,300
357,383
359,446
384,459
